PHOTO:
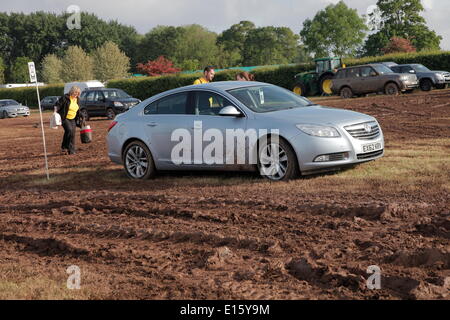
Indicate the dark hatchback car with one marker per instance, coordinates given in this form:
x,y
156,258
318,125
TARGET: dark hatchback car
x,y
105,102
49,102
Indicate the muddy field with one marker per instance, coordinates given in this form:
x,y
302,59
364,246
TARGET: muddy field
x,y
230,236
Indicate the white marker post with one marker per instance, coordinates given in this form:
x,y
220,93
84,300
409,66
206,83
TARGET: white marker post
x,y
33,78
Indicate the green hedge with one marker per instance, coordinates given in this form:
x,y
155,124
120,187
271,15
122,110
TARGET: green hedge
x,y
27,95
145,87
283,76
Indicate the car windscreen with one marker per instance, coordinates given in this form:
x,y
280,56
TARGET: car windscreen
x,y
420,68
268,98
9,103
115,94
382,69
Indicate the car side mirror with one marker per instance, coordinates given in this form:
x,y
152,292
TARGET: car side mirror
x,y
373,74
230,111
412,71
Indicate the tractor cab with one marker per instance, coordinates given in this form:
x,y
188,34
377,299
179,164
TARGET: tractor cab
x,y
318,81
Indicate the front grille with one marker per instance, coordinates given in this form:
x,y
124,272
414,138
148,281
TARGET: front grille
x,y
338,156
369,155
358,131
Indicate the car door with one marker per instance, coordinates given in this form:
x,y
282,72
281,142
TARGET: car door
x,y
88,101
354,80
163,120
216,149
98,105
369,80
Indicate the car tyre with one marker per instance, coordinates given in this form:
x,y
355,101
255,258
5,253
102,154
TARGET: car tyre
x,y
84,114
281,168
138,161
346,93
4,115
110,114
325,84
426,85
391,89
441,86
300,89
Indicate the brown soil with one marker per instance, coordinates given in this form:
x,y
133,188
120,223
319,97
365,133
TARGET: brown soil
x,y
222,235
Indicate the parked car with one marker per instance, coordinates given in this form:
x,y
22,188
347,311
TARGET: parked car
x,y
83,85
49,102
294,136
105,102
427,78
11,108
372,78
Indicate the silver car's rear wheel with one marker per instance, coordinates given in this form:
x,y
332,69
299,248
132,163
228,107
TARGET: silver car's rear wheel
x,y
138,161
277,160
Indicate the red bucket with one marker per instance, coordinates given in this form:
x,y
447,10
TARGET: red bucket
x,y
86,134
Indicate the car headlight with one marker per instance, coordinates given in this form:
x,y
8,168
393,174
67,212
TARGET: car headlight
x,y
440,76
118,104
404,78
319,131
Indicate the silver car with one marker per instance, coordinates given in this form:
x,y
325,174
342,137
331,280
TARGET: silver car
x,y
236,125
11,109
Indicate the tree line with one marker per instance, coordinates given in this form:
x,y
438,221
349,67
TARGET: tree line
x,y
108,50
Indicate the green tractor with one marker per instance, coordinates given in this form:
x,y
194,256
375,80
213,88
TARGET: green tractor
x,y
317,82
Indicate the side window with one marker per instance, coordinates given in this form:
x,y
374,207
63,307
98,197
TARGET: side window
x,y
208,103
366,71
353,73
174,104
90,96
99,96
321,67
395,69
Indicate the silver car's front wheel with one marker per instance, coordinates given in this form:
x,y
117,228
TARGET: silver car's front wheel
x,y
277,160
138,161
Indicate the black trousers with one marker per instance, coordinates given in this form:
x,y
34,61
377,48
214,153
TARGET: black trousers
x,y
68,142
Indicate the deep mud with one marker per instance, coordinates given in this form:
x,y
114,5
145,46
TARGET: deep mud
x,y
226,235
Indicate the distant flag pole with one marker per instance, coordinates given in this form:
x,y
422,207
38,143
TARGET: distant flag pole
x,y
33,78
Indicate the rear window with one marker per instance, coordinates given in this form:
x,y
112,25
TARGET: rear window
x,y
174,104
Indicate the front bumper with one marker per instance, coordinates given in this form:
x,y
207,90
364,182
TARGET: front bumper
x,y
408,85
14,114
308,148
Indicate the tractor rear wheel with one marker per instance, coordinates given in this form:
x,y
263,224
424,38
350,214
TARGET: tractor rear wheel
x,y
325,84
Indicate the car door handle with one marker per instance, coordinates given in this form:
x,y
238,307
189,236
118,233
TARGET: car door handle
x,y
152,124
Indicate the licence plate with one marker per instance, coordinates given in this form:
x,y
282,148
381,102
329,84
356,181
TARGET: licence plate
x,y
371,147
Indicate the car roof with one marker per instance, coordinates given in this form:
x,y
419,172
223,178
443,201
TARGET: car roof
x,y
359,66
217,86
225,85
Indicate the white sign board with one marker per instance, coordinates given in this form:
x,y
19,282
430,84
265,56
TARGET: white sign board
x,y
32,71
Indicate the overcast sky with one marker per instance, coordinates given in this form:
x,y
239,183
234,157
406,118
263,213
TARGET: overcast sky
x,y
218,15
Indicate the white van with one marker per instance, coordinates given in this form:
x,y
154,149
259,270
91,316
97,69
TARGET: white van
x,y
83,85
